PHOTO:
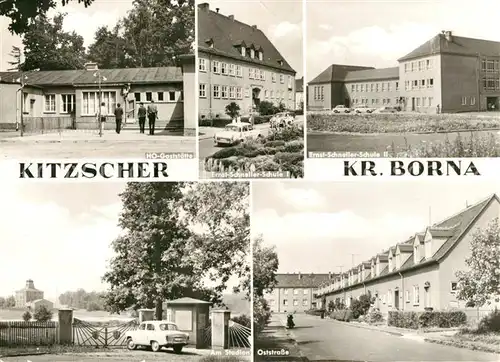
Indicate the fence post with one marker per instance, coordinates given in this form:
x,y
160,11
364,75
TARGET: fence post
x,y
65,326
43,125
220,329
105,336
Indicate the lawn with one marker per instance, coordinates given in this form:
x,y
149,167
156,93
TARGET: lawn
x,y
399,123
281,150
471,339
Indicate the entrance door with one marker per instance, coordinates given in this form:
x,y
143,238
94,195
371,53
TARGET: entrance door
x,y
256,98
492,103
427,297
396,299
412,103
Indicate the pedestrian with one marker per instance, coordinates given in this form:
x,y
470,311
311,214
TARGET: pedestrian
x,y
438,109
152,114
141,113
118,117
101,116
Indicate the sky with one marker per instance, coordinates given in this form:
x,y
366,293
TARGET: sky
x,y
84,21
280,20
59,235
377,33
319,226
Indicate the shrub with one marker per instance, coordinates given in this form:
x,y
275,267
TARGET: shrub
x,y
287,134
27,316
331,306
267,108
261,314
243,319
274,143
294,146
374,316
316,312
232,109
230,152
42,314
491,322
360,307
344,315
415,320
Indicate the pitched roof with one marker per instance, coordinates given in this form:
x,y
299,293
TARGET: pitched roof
x,y
405,248
187,300
299,85
305,280
336,73
457,45
112,76
226,34
372,74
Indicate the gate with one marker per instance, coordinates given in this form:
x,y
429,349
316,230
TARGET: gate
x,y
103,335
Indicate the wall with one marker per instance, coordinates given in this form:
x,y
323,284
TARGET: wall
x,y
9,104
278,295
216,106
190,97
318,103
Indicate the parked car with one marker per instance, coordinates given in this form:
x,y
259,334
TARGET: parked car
x,y
235,133
157,334
363,109
341,109
386,109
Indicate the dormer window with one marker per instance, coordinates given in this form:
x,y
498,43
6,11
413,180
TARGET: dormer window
x,y
390,263
210,43
252,53
280,62
261,55
243,51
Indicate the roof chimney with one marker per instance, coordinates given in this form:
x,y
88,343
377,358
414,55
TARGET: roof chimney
x,y
91,66
254,26
448,35
231,17
217,9
300,276
204,7
30,284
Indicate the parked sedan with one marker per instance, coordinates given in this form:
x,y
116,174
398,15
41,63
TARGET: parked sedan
x,y
235,133
157,334
363,109
341,109
386,109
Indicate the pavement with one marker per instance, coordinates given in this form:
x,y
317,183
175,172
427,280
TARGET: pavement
x,y
76,144
320,339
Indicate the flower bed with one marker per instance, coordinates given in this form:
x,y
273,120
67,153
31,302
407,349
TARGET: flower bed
x,y
416,320
281,150
398,123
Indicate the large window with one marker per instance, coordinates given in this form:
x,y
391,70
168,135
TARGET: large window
x,y
67,103
238,71
216,66
202,64
224,91
91,102
231,69
50,103
282,78
295,291
216,91
203,90
223,69
416,295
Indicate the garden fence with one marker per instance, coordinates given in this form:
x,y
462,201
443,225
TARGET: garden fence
x,y
28,333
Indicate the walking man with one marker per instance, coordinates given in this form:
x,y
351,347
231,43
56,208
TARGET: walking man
x,y
118,117
152,114
141,113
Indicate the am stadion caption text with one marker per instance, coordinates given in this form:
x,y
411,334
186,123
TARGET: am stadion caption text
x,y
173,169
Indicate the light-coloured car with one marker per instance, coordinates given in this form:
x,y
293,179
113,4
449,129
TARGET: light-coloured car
x,y
363,109
157,334
341,109
235,133
386,109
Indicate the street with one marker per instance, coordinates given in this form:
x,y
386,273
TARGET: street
x,y
327,339
89,145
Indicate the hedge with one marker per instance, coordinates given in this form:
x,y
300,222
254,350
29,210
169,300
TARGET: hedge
x,y
344,315
316,312
416,320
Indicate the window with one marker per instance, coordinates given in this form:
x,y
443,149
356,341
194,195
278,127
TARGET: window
x,y
262,75
304,302
67,103
371,87
428,64
171,96
430,101
295,302
322,93
91,102
252,53
251,73
306,291
416,295
290,95
430,83
406,68
290,82
383,87
232,92
453,287
285,301
422,83
203,90
159,96
415,84
420,66
407,296
464,101
149,96
266,94
273,77
243,51
357,87
202,64
239,94
376,87
216,91
388,87
50,103
239,73
362,87
272,95
413,67
150,327
397,85
224,91
282,78
142,327
472,101
216,67
223,69
231,70
137,96
418,101
286,291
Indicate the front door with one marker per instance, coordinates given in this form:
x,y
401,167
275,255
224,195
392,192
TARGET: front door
x,y
427,297
396,299
413,103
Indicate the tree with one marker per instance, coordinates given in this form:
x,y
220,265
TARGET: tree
x,y
27,316
266,108
220,239
22,13
80,299
361,306
481,283
42,314
10,302
48,47
109,49
233,109
16,54
265,266
331,306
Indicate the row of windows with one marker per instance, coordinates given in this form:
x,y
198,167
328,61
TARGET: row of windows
x,y
471,101
235,92
491,83
373,87
236,70
375,101
160,96
419,84
305,302
490,66
296,291
418,66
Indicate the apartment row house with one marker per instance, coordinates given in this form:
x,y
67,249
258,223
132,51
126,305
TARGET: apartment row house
x,y
294,292
420,272
71,98
238,63
447,74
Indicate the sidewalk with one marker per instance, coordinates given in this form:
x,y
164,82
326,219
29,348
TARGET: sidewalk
x,y
93,136
209,132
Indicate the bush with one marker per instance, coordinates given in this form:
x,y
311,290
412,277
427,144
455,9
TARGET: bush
x,y
27,316
287,134
491,322
316,312
415,320
344,315
243,319
230,152
261,314
42,314
374,316
294,146
267,108
274,143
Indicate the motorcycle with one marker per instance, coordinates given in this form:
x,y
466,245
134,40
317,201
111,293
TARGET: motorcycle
x,y
289,322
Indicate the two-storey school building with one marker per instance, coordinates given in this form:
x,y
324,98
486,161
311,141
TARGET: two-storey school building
x,y
238,63
448,74
419,272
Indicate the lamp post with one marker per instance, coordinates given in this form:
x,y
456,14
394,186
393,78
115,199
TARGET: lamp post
x,y
100,78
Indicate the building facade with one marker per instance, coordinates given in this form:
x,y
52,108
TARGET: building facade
x,y
446,74
238,63
28,294
419,272
299,94
34,305
294,292
70,98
